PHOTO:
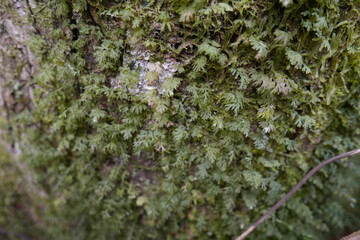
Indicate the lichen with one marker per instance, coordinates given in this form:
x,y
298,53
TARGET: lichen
x,y
152,74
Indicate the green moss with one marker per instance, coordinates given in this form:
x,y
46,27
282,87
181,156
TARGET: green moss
x,y
16,208
261,94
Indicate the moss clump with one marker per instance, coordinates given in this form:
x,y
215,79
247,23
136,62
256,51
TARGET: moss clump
x,y
262,91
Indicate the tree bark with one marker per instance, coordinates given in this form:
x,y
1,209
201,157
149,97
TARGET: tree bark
x,y
17,63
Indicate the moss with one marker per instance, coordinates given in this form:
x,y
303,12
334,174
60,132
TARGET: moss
x,y
262,91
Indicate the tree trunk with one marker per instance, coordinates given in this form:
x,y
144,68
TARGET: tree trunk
x,y
179,119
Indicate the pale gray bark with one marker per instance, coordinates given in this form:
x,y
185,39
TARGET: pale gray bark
x,y
17,67
17,63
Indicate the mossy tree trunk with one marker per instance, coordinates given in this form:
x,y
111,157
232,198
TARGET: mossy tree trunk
x,y
181,119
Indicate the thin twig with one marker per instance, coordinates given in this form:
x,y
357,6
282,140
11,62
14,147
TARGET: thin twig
x,y
294,190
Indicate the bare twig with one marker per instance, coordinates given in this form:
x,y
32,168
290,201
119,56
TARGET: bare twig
x,y
353,236
294,190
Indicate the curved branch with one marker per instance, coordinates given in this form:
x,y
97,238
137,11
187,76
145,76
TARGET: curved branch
x,y
294,190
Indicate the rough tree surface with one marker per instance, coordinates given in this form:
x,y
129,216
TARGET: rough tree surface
x,y
177,119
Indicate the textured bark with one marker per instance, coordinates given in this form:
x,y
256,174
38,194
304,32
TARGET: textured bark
x,y
17,63
17,66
